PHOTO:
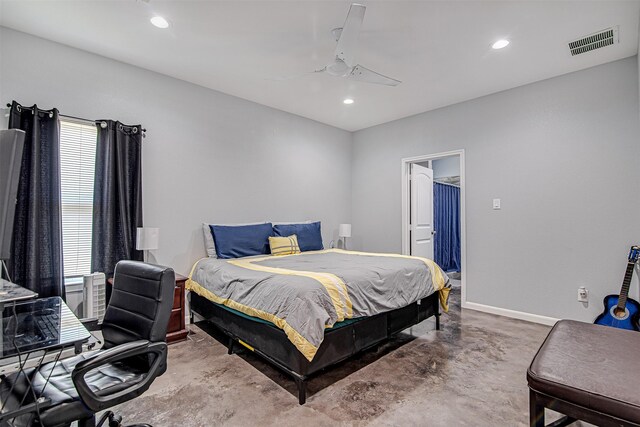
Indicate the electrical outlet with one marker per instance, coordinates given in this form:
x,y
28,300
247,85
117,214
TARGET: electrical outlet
x,y
583,294
496,204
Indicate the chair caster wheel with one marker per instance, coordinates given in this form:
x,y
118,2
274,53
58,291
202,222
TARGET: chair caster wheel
x,y
111,419
115,420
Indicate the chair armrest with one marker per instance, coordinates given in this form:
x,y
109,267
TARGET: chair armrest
x,y
135,348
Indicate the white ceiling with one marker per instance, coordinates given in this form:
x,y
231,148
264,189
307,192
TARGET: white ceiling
x,y
440,50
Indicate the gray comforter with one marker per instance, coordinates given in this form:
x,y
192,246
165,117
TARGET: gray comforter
x,y
305,293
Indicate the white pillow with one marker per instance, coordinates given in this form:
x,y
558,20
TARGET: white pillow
x,y
309,221
210,244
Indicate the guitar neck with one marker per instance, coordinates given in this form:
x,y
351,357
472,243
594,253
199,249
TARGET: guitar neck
x,y
626,284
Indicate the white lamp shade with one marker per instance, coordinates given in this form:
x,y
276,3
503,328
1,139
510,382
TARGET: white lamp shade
x,y
344,230
147,238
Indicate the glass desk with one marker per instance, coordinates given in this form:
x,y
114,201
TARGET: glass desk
x,y
41,324
11,292
35,330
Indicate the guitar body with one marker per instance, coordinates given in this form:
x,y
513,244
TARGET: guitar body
x,y
628,320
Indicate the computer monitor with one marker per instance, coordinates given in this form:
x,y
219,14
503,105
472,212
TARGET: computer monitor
x,y
11,146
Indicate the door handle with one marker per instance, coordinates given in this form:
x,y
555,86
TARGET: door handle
x,y
433,232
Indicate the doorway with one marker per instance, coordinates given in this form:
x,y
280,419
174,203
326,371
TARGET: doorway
x,y
433,211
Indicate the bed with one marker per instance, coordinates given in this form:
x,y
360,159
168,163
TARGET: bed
x,y
307,311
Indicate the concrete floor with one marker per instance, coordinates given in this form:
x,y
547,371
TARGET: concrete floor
x,y
471,373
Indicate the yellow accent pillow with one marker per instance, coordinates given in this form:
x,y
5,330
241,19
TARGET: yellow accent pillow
x,y
284,245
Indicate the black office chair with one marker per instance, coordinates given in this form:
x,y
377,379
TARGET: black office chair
x,y
133,355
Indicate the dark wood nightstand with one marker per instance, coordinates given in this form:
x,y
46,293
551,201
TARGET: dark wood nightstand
x,y
176,331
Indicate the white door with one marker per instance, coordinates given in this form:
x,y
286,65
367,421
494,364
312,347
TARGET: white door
x,y
421,211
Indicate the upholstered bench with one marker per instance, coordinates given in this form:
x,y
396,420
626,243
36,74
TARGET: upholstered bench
x,y
587,372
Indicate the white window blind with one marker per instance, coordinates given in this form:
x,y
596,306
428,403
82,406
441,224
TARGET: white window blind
x,y
77,170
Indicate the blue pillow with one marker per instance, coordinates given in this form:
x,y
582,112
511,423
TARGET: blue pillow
x,y
235,241
309,236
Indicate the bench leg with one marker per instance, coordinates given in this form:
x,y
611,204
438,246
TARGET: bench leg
x,y
230,346
536,411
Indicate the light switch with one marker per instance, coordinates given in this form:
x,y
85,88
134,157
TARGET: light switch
x,y
496,203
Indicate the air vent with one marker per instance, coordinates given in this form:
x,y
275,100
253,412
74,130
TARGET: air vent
x,y
594,41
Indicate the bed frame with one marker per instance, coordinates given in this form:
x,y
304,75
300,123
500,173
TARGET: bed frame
x,y
271,343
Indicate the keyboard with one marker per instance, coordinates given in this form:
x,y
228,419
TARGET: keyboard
x,y
49,325
33,328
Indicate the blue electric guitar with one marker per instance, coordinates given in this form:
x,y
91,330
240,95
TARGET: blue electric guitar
x,y
620,311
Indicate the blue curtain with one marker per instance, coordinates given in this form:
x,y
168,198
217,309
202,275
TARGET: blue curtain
x,y
446,213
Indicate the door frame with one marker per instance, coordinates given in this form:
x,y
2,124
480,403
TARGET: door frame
x,y
406,162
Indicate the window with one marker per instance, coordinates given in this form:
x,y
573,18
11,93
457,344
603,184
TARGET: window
x,y
77,170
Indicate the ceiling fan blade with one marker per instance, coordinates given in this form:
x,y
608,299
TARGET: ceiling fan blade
x,y
363,74
348,41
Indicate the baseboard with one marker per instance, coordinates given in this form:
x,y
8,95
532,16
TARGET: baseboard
x,y
535,318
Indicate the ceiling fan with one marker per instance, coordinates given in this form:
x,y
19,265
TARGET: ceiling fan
x,y
344,64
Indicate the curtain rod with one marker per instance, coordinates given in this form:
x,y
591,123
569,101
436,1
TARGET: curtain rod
x,y
446,183
74,117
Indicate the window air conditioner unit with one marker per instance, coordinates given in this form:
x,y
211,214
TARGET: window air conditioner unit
x,y
95,300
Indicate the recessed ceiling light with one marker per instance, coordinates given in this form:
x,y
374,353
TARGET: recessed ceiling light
x,y
500,44
160,22
348,101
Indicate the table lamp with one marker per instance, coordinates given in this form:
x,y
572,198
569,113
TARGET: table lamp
x,y
344,231
147,239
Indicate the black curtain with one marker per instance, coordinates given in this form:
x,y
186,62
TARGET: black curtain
x,y
117,195
36,255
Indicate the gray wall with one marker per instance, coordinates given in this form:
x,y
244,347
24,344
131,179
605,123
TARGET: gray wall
x,y
207,156
562,154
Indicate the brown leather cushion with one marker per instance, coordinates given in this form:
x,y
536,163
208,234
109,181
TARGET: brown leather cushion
x,y
593,366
